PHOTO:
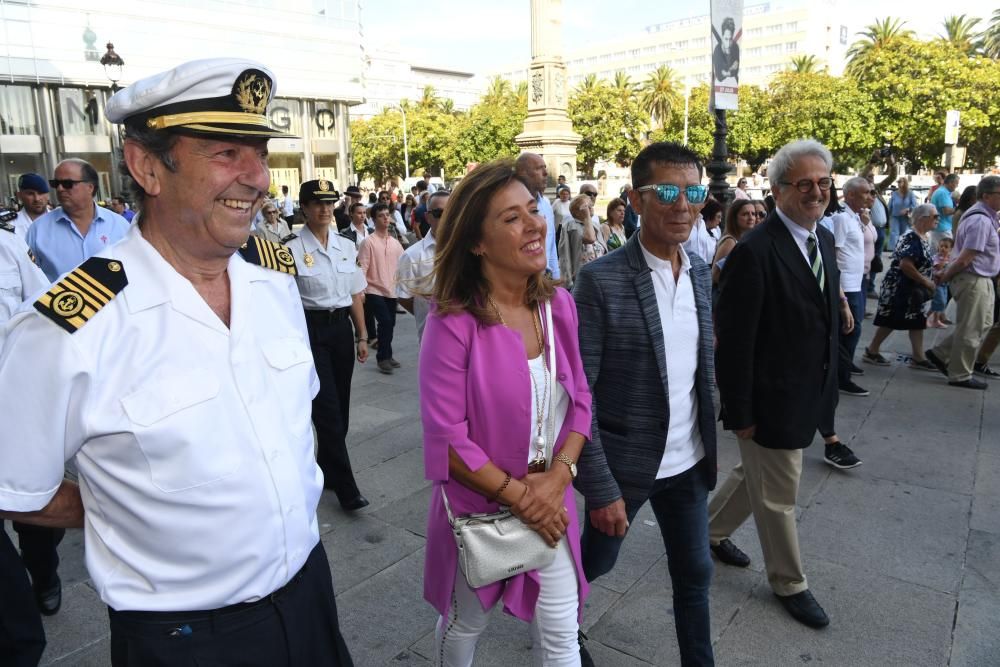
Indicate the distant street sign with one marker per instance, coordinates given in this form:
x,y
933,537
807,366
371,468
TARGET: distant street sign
x,y
951,124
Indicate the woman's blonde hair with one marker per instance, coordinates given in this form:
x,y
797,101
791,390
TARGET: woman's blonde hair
x,y
459,283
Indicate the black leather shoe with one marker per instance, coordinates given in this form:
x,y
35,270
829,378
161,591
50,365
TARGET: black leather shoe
x,y
585,659
49,599
971,383
730,554
355,503
937,361
804,609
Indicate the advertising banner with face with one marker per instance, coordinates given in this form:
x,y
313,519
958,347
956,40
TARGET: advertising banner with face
x,y
727,32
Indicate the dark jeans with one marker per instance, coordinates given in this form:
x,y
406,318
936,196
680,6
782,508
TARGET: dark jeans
x,y
879,245
849,342
680,504
22,638
331,338
385,314
296,625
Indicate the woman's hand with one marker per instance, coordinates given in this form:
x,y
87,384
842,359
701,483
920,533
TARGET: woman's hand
x,y
542,506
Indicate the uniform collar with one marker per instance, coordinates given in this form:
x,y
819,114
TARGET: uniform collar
x,y
311,244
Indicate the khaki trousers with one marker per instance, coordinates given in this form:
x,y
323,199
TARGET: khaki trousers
x,y
765,484
992,338
974,316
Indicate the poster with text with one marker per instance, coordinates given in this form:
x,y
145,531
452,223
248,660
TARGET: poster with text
x,y
727,32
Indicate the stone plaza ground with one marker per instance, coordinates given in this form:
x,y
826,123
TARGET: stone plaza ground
x,y
903,552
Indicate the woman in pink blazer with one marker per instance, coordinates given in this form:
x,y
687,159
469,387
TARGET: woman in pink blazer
x,y
483,371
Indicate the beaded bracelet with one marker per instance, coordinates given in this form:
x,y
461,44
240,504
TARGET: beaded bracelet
x,y
502,488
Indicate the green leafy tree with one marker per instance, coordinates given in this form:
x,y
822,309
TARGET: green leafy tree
x,y
991,38
498,90
701,123
487,132
805,64
429,98
622,83
874,38
611,129
960,33
660,96
377,145
751,130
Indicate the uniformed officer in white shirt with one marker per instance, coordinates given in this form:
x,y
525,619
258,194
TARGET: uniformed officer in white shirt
x,y
33,193
332,288
416,264
155,364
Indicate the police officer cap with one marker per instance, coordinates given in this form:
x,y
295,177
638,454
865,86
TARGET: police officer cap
x,y
217,97
319,190
32,182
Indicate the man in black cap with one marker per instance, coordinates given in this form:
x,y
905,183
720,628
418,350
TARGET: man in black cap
x,y
33,193
342,213
174,367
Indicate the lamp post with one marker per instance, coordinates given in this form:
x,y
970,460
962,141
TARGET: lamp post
x,y
113,65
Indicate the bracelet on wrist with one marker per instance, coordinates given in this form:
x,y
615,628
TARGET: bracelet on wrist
x,y
503,487
361,339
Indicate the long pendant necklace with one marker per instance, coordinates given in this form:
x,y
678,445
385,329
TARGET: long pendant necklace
x,y
542,398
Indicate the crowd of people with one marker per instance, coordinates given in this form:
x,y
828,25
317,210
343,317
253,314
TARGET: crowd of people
x,y
559,353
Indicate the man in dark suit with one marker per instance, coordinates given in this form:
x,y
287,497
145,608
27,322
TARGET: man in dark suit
x,y
777,317
646,342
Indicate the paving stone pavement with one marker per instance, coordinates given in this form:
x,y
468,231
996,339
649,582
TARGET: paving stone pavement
x,y
903,552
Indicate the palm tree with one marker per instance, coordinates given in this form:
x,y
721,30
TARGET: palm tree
x,y
991,38
805,64
659,95
498,90
874,37
521,93
960,33
589,84
447,106
429,98
623,85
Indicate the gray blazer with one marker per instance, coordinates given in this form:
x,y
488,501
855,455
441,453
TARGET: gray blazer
x,y
622,346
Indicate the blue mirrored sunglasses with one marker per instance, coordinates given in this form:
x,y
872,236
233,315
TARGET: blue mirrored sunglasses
x,y
668,193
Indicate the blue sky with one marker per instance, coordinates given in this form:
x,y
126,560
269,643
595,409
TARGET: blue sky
x,y
480,36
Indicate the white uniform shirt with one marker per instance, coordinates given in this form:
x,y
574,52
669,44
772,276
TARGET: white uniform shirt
x,y
415,265
287,206
849,240
22,223
327,277
679,322
193,440
20,279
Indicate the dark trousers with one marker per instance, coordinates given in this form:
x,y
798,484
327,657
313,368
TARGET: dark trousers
x,y
370,328
38,551
385,314
879,245
680,504
22,637
296,625
331,337
849,342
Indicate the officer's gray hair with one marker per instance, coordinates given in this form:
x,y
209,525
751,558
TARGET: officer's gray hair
x,y
856,183
787,155
922,211
160,144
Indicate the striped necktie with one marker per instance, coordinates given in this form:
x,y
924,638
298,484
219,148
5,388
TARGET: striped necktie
x,y
816,262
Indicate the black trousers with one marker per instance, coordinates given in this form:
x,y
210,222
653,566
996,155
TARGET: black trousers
x,y
38,551
370,324
385,314
22,638
331,337
294,626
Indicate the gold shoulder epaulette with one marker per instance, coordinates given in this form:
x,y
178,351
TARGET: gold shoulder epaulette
x,y
269,254
72,301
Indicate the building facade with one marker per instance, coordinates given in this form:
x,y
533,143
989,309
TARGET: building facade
x,y
389,78
53,89
773,34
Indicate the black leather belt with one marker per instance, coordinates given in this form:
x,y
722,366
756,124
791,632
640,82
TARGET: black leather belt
x,y
324,316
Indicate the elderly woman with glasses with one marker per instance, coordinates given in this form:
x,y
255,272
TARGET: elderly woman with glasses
x,y
273,228
906,289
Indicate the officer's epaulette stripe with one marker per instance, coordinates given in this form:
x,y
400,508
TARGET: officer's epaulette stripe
x,y
82,292
7,227
345,236
269,254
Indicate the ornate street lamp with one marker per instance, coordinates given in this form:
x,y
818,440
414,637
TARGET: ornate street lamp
x,y
113,65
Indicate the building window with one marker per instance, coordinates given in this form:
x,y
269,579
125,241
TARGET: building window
x,y
791,46
792,27
17,111
80,111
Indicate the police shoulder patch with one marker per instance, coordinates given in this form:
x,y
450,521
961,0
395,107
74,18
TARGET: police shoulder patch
x,y
72,301
7,227
289,238
269,254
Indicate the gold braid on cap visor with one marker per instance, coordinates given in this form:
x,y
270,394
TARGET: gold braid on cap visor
x,y
232,117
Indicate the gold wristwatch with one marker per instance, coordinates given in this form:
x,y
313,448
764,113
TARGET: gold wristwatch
x,y
568,461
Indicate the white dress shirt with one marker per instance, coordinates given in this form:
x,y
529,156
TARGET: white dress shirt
x,y
679,323
20,279
800,235
701,242
21,224
193,440
328,277
551,255
415,266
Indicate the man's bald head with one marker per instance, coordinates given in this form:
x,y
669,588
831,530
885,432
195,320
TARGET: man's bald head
x,y
531,170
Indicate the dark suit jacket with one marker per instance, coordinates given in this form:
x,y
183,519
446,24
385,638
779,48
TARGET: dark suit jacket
x,y
622,345
776,361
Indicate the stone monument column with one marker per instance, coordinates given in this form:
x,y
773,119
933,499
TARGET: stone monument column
x,y
548,130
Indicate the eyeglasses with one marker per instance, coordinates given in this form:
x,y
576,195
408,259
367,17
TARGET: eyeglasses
x,y
436,212
66,183
590,194
760,214
873,193
805,185
668,193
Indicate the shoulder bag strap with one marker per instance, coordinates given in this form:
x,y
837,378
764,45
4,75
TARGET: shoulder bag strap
x,y
551,421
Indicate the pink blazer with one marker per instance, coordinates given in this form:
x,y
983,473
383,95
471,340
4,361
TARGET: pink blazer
x,y
475,393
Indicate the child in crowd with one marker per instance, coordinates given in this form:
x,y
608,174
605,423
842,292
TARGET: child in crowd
x,y
942,259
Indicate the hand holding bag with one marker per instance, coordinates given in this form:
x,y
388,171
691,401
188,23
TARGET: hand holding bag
x,y
499,545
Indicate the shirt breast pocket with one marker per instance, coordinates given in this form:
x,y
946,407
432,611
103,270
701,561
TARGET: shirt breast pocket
x,y
346,266
176,421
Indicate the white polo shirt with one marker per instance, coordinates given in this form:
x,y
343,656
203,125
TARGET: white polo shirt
x,y
415,265
193,440
679,323
849,240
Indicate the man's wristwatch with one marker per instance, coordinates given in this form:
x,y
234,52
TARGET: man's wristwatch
x,y
568,461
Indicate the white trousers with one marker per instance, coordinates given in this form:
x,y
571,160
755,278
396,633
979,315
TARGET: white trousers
x,y
553,630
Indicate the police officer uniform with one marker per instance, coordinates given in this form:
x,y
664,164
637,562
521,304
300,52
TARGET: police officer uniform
x,y
328,278
192,435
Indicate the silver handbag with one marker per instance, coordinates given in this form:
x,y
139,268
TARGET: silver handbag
x,y
498,545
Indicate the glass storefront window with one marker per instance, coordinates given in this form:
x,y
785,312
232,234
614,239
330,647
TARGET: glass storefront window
x,y
286,115
80,111
17,110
